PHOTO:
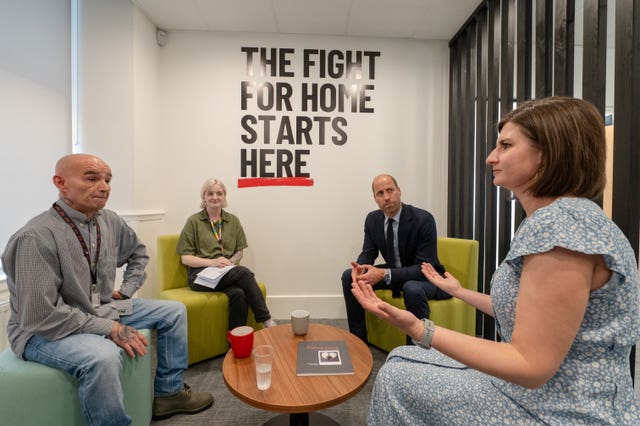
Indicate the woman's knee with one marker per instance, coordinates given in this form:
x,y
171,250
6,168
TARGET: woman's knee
x,y
235,294
242,272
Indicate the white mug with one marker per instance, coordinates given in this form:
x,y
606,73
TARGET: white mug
x,y
300,322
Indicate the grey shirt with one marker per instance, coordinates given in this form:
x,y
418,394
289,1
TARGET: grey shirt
x,y
49,279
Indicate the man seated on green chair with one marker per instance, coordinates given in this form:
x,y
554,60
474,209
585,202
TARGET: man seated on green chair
x,y
406,236
61,269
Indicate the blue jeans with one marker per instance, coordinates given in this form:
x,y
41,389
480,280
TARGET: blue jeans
x,y
97,362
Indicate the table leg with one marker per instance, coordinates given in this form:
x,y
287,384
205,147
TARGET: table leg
x,y
302,419
299,419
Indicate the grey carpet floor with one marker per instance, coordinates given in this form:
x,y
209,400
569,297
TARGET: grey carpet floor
x,y
230,411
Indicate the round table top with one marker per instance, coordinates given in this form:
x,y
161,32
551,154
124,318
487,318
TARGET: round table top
x,y
290,393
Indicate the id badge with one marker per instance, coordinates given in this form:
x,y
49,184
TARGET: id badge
x,y
95,296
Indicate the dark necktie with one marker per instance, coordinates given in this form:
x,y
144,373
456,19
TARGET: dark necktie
x,y
391,252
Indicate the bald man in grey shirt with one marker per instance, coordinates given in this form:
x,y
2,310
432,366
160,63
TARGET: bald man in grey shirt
x,y
65,311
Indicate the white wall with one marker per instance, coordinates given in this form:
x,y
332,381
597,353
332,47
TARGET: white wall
x,y
105,91
167,118
35,113
300,239
35,117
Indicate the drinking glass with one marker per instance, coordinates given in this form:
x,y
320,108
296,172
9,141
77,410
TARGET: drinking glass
x,y
263,357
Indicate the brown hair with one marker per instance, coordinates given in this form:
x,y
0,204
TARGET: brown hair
x,y
570,135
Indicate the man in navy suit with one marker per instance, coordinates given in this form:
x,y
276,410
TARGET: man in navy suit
x,y
411,240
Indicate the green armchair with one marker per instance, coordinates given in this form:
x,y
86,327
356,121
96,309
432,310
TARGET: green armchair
x,y
207,312
460,258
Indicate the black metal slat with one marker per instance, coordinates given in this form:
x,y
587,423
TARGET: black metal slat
x,y
493,82
524,31
523,50
560,49
507,47
571,27
544,54
481,153
454,97
468,148
594,57
462,120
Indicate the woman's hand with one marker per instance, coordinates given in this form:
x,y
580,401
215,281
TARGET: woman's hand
x,y
404,320
220,262
448,284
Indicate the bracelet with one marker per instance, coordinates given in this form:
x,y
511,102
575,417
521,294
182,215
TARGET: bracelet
x,y
427,334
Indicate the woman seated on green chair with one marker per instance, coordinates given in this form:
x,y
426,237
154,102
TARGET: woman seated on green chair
x,y
214,237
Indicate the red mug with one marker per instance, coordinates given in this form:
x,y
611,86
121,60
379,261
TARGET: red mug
x,y
241,340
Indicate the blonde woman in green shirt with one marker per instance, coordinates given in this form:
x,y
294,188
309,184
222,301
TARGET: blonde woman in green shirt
x,y
214,237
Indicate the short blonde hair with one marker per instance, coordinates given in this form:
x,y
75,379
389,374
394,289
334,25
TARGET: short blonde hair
x,y
208,184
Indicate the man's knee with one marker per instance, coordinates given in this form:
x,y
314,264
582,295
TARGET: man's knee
x,y
411,289
419,289
171,311
108,359
346,279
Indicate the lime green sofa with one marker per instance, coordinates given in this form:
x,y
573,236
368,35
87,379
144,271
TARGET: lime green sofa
x,y
207,312
33,394
460,258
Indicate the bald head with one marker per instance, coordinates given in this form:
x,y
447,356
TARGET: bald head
x,y
69,163
383,177
83,182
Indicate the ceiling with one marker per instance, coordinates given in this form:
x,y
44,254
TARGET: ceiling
x,y
417,19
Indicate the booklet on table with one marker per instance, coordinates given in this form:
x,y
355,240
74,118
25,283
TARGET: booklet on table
x,y
323,357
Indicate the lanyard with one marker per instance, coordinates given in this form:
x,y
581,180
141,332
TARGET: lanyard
x,y
217,231
85,249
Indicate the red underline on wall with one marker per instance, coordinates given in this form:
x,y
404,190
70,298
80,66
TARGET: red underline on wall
x,y
287,181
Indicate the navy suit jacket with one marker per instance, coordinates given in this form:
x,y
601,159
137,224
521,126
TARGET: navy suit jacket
x,y
417,243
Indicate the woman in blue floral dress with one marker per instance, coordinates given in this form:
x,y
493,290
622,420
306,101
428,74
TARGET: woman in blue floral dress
x,y
565,299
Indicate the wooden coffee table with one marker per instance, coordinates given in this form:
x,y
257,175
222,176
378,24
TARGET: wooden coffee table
x,y
298,396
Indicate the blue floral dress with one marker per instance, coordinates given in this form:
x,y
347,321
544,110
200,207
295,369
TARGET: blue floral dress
x,y
593,385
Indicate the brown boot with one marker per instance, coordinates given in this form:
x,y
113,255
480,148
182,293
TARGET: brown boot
x,y
184,402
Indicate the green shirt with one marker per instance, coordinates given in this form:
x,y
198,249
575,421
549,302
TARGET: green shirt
x,y
197,237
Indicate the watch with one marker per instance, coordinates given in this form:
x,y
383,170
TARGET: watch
x,y
427,334
387,276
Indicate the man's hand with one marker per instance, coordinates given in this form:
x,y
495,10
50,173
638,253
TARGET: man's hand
x,y
129,339
366,274
118,296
